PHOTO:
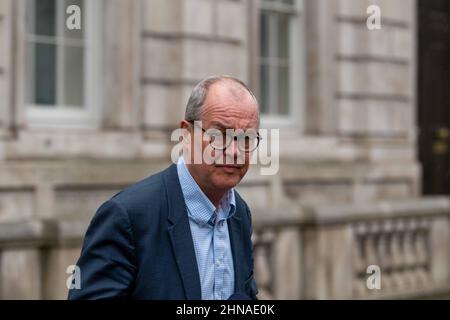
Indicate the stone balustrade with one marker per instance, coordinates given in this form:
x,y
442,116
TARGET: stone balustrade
x,y
336,252
319,252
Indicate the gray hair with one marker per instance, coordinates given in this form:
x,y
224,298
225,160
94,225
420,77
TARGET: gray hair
x,y
199,93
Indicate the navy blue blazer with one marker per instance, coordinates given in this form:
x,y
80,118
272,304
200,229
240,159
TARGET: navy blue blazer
x,y
139,245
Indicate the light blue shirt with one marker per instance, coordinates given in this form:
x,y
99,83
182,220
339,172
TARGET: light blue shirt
x,y
209,230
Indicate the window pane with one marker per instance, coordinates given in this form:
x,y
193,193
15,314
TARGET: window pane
x,y
75,33
264,91
264,34
283,36
44,17
44,69
73,76
283,91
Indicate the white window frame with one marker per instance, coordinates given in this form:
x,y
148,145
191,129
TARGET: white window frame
x,y
293,121
89,114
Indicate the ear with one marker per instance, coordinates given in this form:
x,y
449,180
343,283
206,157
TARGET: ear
x,y
186,126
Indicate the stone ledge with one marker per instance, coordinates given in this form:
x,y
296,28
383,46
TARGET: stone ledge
x,y
53,232
42,233
423,293
76,173
277,217
341,214
183,35
23,233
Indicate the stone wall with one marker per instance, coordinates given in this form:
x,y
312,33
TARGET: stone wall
x,y
182,43
358,145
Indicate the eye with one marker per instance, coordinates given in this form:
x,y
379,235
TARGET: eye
x,y
250,137
216,136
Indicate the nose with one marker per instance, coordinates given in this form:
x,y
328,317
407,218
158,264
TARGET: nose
x,y
232,152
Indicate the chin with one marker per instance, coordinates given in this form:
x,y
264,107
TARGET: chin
x,y
227,182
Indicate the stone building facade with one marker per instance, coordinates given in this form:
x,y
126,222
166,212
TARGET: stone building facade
x,y
344,98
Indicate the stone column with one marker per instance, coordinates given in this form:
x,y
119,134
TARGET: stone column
x,y
327,262
5,36
20,271
12,64
321,69
121,64
439,247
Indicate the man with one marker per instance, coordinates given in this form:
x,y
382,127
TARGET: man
x,y
183,233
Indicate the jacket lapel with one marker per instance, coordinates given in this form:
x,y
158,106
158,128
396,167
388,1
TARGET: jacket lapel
x,y
235,232
180,235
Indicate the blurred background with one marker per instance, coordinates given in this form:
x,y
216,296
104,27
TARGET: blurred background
x,y
364,119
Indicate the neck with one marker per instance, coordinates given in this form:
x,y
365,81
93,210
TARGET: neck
x,y
214,197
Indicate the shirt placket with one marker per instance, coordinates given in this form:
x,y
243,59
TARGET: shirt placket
x,y
219,259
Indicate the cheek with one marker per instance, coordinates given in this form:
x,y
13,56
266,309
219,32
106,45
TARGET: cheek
x,y
244,170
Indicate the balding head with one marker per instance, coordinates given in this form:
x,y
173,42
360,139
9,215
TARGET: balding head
x,y
237,89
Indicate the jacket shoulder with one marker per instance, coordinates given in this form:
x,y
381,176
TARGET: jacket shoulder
x,y
142,193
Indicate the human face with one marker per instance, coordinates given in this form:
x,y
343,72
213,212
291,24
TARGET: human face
x,y
227,106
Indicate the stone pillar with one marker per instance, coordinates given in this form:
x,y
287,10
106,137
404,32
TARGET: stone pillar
x,y
57,260
11,65
287,264
321,70
327,261
5,41
21,272
439,250
121,64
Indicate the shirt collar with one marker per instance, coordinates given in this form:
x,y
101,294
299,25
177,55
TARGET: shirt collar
x,y
200,208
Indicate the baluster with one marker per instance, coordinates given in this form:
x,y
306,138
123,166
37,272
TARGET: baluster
x,y
383,254
263,271
388,261
409,255
370,246
422,257
397,255
358,285
359,264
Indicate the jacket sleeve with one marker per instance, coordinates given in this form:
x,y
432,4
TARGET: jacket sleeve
x,y
107,262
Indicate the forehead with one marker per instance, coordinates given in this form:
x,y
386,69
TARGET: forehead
x,y
231,106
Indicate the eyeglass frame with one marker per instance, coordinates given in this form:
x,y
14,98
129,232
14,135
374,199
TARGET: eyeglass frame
x,y
235,137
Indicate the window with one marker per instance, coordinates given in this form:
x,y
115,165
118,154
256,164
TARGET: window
x,y
61,64
280,58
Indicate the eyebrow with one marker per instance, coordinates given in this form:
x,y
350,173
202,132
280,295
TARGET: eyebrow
x,y
221,125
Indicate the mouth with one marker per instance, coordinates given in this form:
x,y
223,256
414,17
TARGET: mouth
x,y
229,168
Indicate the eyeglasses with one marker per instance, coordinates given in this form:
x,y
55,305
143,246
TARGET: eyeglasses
x,y
247,140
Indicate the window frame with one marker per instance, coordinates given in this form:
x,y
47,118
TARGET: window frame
x,y
293,121
60,116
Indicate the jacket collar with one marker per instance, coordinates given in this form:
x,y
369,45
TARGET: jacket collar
x,y
181,237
